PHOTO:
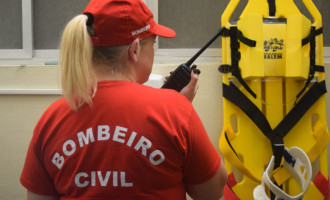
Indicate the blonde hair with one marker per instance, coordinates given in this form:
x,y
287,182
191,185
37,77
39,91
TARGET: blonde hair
x,y
77,56
78,78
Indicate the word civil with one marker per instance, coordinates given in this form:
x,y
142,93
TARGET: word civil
x,y
94,178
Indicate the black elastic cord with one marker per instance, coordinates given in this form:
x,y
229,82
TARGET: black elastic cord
x,y
90,20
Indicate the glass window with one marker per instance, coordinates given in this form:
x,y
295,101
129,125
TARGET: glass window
x,y
32,28
11,24
50,18
195,21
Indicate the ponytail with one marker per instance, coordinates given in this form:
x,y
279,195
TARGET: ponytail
x,y
78,78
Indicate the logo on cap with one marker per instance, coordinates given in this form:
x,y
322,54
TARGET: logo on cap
x,y
141,30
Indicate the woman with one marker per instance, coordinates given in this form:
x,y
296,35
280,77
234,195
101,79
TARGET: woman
x,y
111,137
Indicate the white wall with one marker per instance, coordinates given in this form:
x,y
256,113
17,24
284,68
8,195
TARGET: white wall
x,y
20,113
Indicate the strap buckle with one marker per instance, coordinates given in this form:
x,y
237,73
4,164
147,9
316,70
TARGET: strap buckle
x,y
224,68
278,149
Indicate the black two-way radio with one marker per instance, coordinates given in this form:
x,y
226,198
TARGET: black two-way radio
x,y
181,76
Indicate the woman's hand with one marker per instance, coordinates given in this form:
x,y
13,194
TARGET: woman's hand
x,y
191,89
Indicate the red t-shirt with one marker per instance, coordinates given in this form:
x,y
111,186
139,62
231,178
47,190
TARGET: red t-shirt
x,y
134,142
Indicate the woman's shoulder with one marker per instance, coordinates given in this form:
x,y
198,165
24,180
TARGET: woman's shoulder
x,y
165,96
58,105
55,108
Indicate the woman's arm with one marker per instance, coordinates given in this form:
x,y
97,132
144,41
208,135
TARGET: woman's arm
x,y
34,196
211,189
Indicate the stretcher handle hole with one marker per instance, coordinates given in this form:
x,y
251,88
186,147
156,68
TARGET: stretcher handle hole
x,y
233,122
314,119
238,176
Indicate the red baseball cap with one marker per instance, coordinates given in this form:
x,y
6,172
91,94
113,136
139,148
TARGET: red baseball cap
x,y
120,22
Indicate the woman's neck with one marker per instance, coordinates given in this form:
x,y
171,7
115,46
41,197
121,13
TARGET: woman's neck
x,y
104,72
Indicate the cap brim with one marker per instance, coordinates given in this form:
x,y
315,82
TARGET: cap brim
x,y
164,31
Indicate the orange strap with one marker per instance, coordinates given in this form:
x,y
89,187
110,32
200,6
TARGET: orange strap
x,y
228,194
231,180
322,184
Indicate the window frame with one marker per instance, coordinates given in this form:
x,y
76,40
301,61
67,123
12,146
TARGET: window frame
x,y
30,56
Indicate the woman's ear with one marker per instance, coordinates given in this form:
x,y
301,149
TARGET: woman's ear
x,y
134,50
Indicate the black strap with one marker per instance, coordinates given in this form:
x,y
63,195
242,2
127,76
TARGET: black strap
x,y
236,35
225,32
312,67
234,95
318,68
224,68
312,34
295,114
245,40
272,7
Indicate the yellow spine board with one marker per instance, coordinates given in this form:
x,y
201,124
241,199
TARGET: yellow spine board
x,y
276,69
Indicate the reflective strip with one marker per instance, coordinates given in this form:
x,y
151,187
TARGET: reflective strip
x,y
231,180
228,194
322,184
